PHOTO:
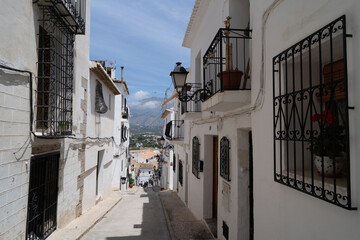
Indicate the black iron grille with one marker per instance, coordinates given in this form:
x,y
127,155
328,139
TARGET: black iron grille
x,y
124,133
174,164
226,63
311,120
55,75
196,157
193,105
72,12
180,172
175,130
42,200
224,158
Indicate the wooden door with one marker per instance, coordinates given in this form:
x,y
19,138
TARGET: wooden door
x,y
215,176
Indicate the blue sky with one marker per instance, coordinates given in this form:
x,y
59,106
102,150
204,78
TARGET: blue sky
x,y
145,37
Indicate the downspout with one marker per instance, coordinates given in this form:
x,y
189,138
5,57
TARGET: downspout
x,y
30,80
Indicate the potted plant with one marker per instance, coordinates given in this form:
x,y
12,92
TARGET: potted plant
x,y
63,126
231,78
329,146
131,181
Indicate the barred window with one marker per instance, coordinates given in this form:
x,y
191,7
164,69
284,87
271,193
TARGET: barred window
x,y
180,172
174,165
55,75
311,120
196,157
224,158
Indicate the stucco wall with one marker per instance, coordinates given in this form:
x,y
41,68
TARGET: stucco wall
x,y
15,153
282,212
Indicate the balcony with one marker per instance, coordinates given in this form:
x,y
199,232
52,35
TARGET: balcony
x,y
175,130
125,113
72,12
192,109
226,66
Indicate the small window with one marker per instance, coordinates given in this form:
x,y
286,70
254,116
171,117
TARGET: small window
x,y
224,158
180,172
196,157
311,119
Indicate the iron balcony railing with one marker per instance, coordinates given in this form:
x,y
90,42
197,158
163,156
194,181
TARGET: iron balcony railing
x,y
226,62
125,113
72,12
175,130
193,105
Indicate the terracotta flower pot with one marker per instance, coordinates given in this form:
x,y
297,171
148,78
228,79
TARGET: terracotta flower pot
x,y
231,79
130,185
329,165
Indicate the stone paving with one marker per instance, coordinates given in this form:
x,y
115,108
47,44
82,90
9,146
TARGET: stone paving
x,y
139,215
182,223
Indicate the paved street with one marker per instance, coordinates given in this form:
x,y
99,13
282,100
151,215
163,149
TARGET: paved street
x,y
139,215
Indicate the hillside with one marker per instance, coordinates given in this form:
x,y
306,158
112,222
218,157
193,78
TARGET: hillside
x,y
146,116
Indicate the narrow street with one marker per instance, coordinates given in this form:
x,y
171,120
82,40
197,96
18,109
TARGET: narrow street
x,y
139,215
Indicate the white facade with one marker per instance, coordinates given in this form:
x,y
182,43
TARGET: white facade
x,y
276,26
279,212
91,138
121,136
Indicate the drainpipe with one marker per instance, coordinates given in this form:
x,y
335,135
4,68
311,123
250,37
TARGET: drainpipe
x,y
30,80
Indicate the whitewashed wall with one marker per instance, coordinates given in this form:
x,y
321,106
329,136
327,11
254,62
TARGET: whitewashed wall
x,y
97,126
282,212
19,50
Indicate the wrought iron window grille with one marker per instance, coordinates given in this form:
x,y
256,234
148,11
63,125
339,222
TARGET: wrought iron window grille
x,y
181,172
196,157
55,75
311,119
226,62
174,163
224,158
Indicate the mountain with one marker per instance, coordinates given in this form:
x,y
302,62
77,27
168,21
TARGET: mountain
x,y
146,116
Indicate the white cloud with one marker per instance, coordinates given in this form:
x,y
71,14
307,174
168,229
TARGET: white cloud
x,y
152,104
139,95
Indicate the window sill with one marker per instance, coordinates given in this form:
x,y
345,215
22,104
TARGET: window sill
x,y
341,182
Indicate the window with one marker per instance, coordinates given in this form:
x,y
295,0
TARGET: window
x,y
311,120
224,158
180,172
174,165
55,75
195,157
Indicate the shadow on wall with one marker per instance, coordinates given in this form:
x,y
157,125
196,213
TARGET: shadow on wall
x,y
151,227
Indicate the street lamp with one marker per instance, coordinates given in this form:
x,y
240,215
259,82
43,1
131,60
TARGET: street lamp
x,y
178,76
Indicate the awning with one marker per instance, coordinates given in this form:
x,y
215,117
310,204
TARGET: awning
x,y
173,95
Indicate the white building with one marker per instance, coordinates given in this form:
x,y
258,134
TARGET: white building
x,y
122,133
246,148
144,175
56,146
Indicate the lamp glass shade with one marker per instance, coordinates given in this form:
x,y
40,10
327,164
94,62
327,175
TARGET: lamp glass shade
x,y
178,76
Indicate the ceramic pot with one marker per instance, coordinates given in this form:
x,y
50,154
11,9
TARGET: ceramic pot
x,y
329,165
231,79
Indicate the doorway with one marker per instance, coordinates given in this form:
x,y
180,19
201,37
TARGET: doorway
x,y
186,179
43,195
99,172
215,177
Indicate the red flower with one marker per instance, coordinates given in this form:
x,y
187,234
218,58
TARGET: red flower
x,y
324,116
